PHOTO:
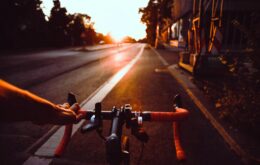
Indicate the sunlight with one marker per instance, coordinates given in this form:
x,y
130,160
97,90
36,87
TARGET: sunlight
x,y
118,57
118,36
118,17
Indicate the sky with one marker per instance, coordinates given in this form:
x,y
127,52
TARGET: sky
x,y
118,17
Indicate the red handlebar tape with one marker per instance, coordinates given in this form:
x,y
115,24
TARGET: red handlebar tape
x,y
170,116
64,141
180,153
155,116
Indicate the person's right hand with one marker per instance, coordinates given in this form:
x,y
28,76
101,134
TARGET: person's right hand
x,y
64,114
20,105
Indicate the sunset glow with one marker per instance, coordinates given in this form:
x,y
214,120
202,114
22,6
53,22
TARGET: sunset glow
x,y
118,17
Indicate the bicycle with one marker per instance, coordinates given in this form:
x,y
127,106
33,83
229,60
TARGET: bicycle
x,y
117,144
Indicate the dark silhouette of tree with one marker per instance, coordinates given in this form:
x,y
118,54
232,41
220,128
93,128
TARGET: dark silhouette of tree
x,y
128,39
90,34
58,24
76,28
149,17
153,14
81,30
165,9
22,24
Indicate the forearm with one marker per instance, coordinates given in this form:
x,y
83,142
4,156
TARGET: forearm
x,y
19,105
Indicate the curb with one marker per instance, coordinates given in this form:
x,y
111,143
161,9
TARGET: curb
x,y
203,104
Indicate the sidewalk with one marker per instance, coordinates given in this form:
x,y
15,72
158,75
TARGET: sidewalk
x,y
173,48
247,148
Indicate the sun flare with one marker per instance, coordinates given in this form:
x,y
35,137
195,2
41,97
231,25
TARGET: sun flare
x,y
120,18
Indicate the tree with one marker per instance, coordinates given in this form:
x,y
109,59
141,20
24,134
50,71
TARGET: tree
x,y
73,29
89,33
77,28
58,23
149,17
128,39
23,24
155,14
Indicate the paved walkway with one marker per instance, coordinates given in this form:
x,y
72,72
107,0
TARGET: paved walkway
x,y
244,146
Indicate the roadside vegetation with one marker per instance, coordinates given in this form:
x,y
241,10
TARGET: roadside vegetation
x,y
24,25
237,94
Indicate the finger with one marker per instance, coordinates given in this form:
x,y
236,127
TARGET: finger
x,y
81,115
66,117
65,105
63,115
75,107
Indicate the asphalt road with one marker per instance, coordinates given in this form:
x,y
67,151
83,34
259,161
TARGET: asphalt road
x,y
52,74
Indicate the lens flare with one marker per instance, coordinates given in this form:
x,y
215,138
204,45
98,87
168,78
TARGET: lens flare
x,y
118,57
117,37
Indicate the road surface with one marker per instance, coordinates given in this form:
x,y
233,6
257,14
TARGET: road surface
x,y
52,74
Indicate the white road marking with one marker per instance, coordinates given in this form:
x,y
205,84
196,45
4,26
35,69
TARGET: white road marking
x,y
45,153
187,85
165,63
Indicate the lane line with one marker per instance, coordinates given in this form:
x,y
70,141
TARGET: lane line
x,y
165,63
42,139
45,153
225,135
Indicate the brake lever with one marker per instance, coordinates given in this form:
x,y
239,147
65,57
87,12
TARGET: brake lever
x,y
138,131
96,122
177,103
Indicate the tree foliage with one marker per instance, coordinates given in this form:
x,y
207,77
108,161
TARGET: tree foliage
x,y
149,17
58,22
153,14
22,22
24,25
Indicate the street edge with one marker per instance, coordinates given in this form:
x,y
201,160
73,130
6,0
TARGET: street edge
x,y
196,97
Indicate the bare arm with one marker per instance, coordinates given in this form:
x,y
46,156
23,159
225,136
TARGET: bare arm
x,y
20,105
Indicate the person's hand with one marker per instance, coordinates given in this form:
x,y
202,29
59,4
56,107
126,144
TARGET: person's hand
x,y
64,114
20,105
